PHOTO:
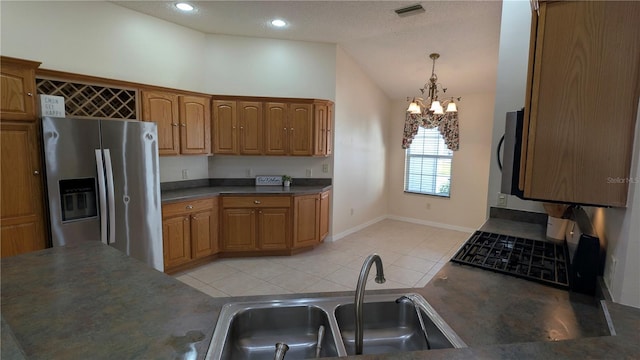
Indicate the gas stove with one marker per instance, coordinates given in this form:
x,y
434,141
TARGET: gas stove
x,y
536,260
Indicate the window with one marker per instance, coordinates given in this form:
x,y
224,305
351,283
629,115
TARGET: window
x,y
428,164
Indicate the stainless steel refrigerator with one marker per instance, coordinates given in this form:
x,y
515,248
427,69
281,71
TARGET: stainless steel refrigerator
x,y
103,184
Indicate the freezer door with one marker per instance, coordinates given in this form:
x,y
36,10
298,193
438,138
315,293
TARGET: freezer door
x,y
136,221
72,179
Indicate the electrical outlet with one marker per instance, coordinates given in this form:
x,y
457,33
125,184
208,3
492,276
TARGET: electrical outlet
x,y
185,174
249,173
502,200
325,168
309,173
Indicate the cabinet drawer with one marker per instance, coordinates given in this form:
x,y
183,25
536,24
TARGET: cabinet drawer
x,y
256,201
186,207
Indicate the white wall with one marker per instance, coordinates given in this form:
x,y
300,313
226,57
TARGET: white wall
x,y
105,40
466,208
361,123
237,65
622,229
513,59
171,167
250,166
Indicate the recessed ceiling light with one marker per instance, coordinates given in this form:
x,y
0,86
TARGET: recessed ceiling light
x,y
184,6
278,23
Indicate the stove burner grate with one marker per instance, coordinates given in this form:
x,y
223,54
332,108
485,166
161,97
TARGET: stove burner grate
x,y
536,260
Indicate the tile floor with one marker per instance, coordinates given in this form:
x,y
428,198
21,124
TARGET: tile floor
x,y
411,254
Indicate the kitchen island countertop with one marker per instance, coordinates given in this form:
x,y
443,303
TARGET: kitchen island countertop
x,y
91,301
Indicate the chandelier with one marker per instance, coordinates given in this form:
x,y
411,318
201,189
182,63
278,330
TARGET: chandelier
x,y
431,105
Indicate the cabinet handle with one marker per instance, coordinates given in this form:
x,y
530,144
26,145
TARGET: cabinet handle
x,y
189,207
36,172
183,125
194,217
186,218
174,124
29,94
260,211
291,129
256,201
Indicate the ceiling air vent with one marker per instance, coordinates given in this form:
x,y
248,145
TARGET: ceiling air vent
x,y
409,10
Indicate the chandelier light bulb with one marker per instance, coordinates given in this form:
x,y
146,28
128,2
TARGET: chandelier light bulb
x,y
414,108
452,107
436,108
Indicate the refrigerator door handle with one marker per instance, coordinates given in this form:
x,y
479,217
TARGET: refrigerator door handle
x,y
110,196
102,193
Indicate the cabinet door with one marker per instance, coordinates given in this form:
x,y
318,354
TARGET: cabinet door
x,y
276,129
301,129
324,213
329,138
582,97
204,227
320,129
273,228
250,119
225,136
22,216
162,108
306,220
176,240
18,91
238,230
195,125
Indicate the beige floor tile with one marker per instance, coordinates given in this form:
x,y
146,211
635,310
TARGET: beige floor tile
x,y
411,254
415,263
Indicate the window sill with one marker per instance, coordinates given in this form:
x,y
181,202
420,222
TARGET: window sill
x,y
427,194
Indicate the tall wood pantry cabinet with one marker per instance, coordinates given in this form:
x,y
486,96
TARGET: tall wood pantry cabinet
x,y
22,211
582,102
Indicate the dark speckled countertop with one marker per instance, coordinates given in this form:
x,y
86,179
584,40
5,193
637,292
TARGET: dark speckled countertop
x,y
91,301
169,196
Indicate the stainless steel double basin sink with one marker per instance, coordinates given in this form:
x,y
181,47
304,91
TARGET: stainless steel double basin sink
x,y
250,330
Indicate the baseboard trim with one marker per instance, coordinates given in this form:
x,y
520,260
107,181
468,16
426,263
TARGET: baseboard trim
x,y
348,232
431,223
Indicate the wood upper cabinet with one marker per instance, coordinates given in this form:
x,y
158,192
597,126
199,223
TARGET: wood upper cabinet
x,y
225,122
323,127
18,89
251,223
306,220
276,129
301,129
237,127
22,214
195,125
325,209
250,118
581,105
189,231
184,122
163,109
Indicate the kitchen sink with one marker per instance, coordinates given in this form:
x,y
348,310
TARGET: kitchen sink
x,y
390,327
250,330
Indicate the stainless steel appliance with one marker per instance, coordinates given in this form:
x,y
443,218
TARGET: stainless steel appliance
x,y
511,154
103,184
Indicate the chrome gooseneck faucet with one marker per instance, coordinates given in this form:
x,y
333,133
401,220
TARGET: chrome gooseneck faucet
x,y
362,281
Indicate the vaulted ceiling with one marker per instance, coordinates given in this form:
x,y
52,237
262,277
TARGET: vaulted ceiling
x,y
392,50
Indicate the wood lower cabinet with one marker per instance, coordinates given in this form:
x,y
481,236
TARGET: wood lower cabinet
x,y
189,232
22,214
307,221
255,223
582,102
184,122
18,82
325,211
